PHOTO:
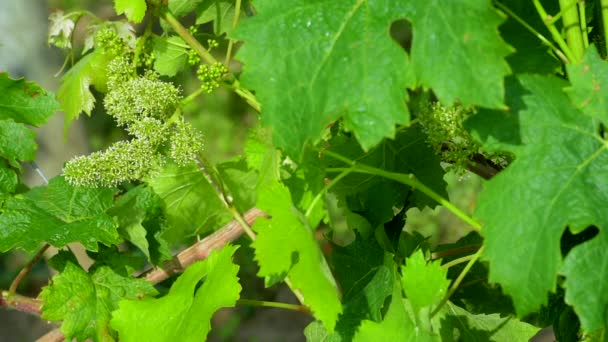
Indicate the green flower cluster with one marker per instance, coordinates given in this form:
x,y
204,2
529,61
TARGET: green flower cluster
x,y
144,55
144,106
446,134
211,75
108,41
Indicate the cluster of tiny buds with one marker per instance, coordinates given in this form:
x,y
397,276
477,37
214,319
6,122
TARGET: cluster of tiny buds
x,y
108,41
212,44
211,75
193,57
144,57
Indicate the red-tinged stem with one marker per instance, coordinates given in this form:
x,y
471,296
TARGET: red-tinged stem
x,y
20,303
26,269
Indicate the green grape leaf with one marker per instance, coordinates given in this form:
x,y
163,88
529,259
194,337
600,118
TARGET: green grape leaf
x,y
376,196
285,245
396,325
84,301
134,10
25,102
74,93
189,201
586,274
186,310
557,180
8,181
58,214
457,324
180,8
123,263
434,277
132,209
170,55
220,12
365,274
458,74
337,60
17,142
589,79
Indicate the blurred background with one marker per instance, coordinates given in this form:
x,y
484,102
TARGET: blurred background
x,y
224,119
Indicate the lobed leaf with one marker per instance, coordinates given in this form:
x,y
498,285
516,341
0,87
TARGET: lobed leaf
x,y
186,310
337,59
58,214
25,102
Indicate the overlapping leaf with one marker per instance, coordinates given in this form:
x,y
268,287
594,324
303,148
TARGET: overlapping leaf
x,y
84,302
311,63
25,102
285,245
134,10
186,310
170,55
557,180
457,55
417,272
58,214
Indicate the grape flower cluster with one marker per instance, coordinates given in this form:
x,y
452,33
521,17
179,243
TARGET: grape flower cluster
x,y
145,106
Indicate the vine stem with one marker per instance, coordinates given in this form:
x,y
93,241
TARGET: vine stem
x,y
454,287
325,189
262,303
458,261
26,269
235,21
574,35
205,55
546,18
528,27
407,179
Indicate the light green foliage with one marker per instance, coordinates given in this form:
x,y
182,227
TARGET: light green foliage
x,y
170,55
425,284
84,301
51,214
134,10
221,12
557,180
184,311
17,142
285,246
396,325
457,67
25,102
337,60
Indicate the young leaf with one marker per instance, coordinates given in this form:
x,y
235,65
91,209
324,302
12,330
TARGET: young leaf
x,y
58,214
285,245
25,102
185,311
396,325
170,55
221,12
338,59
74,93
85,301
134,10
557,180
457,69
424,284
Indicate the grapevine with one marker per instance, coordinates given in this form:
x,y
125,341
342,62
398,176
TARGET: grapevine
x,y
285,143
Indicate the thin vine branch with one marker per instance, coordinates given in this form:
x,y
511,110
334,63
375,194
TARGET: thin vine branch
x,y
235,21
557,37
26,269
458,280
326,188
267,304
407,179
